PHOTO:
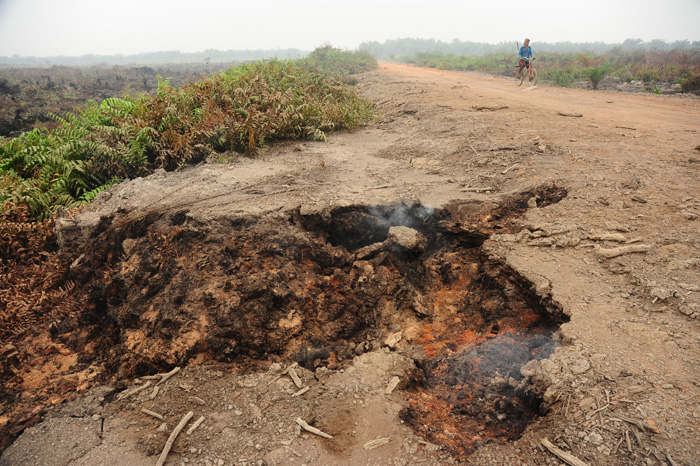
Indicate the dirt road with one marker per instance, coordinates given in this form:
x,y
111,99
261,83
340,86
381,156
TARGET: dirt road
x,y
608,236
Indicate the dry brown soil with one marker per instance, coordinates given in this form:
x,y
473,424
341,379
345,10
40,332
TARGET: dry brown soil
x,y
516,199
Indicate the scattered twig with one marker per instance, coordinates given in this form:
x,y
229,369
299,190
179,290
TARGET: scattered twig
x,y
510,168
378,442
301,392
590,415
639,423
626,127
127,393
153,413
614,252
284,372
312,429
629,442
477,190
574,115
617,446
197,400
295,378
154,393
173,436
472,148
568,458
484,108
167,375
196,424
670,460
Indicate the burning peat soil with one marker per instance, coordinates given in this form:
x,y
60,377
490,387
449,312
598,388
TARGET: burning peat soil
x,y
162,290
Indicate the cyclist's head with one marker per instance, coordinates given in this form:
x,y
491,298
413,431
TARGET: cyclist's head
x,y
526,41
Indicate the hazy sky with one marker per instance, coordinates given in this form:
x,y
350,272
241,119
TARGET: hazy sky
x,y
77,27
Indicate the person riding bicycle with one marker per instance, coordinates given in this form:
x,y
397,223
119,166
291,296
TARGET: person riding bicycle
x,y
525,55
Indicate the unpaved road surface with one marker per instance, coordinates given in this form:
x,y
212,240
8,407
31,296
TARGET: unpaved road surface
x,y
607,234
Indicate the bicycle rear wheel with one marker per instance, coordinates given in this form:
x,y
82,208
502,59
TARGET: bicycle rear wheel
x,y
520,76
533,77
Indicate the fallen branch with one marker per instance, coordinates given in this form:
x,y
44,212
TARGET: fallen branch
x,y
153,413
173,436
614,252
626,127
127,393
561,454
312,429
574,115
166,376
195,425
477,190
301,392
483,108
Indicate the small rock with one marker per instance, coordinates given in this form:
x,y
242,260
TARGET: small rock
x,y
579,366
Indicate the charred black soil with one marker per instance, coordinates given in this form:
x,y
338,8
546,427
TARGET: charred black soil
x,y
162,290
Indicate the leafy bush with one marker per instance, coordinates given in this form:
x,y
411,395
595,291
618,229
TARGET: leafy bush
x,y
341,64
559,77
690,82
597,73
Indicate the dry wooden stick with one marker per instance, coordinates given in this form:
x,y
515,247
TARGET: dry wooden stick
x,y
510,168
617,446
561,454
639,423
133,391
629,442
670,460
614,252
153,413
284,372
312,429
575,115
301,392
195,425
295,378
166,376
173,436
477,190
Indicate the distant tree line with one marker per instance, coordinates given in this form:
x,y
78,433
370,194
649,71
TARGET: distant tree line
x,y
409,46
164,57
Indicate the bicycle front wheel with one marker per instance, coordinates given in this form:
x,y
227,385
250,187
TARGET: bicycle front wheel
x,y
519,76
533,77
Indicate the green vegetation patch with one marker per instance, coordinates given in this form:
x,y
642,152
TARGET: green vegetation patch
x,y
239,110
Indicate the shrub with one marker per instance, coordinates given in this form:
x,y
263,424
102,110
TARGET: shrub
x,y
597,73
690,82
559,77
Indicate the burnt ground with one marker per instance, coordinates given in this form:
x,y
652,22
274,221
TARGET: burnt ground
x,y
445,280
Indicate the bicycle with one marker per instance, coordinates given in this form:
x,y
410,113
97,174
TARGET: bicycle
x,y
531,73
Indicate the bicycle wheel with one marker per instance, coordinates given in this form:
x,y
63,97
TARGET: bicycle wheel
x,y
533,77
519,77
